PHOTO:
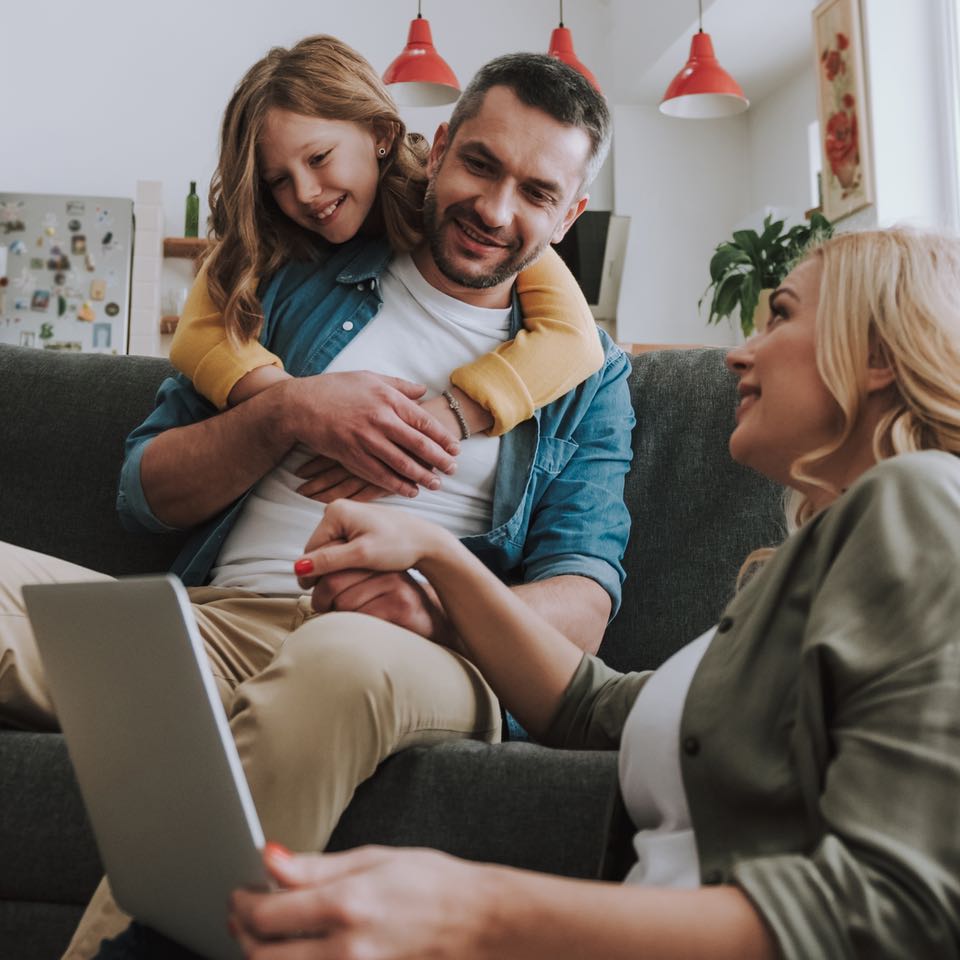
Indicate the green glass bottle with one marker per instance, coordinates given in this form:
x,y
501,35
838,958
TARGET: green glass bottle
x,y
192,220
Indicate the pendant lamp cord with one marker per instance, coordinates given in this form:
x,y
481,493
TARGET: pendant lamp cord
x,y
419,14
561,13
700,7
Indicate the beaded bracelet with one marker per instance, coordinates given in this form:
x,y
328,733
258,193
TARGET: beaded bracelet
x,y
454,405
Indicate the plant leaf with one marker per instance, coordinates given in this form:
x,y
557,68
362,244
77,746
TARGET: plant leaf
x,y
726,256
750,242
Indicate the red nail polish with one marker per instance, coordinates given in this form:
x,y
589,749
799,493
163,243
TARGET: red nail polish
x,y
302,567
276,851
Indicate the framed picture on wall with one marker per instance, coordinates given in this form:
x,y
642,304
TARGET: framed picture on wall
x,y
846,177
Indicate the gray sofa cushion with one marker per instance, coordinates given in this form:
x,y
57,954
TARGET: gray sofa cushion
x,y
65,417
696,514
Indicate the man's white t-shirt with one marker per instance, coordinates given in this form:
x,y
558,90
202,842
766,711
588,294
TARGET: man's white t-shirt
x,y
420,334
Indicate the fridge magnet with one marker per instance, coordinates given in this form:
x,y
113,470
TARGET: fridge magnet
x,y
51,221
58,261
11,216
841,101
74,225
75,208
50,231
28,338
46,331
90,262
18,247
107,240
61,305
59,278
78,244
85,313
98,289
25,281
40,300
103,217
36,263
20,304
101,334
111,309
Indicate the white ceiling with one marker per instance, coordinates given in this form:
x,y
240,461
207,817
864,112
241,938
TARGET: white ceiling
x,y
759,42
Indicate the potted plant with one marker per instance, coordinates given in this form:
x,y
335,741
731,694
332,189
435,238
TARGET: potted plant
x,y
744,271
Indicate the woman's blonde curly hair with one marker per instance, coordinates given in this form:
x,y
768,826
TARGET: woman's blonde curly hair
x,y
251,238
893,295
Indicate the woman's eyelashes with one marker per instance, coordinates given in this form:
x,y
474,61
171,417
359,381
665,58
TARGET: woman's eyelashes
x,y
318,158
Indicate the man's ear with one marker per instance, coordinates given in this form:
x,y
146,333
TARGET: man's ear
x,y
574,211
438,149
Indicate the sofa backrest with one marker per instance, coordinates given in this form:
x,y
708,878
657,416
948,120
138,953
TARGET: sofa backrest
x,y
696,514
65,417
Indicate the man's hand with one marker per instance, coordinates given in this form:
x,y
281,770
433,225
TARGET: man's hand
x,y
326,480
372,425
395,597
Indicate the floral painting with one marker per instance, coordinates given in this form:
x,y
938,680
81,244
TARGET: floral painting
x,y
844,131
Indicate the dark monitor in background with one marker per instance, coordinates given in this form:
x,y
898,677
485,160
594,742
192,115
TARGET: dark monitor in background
x,y
594,250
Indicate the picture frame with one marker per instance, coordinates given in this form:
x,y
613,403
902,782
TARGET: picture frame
x,y
845,142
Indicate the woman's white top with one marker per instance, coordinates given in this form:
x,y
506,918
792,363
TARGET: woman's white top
x,y
650,776
420,334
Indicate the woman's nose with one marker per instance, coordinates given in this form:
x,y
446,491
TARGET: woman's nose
x,y
739,359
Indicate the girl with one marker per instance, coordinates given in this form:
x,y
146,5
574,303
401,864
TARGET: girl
x,y
811,738
366,175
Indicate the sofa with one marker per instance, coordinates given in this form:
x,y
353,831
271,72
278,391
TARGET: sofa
x,y
695,516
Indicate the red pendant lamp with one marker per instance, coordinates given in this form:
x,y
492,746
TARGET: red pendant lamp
x,y
703,90
561,47
419,76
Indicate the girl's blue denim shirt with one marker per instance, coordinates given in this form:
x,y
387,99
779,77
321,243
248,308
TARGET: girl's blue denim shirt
x,y
558,499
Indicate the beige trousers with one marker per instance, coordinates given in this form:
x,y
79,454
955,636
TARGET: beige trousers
x,y
315,702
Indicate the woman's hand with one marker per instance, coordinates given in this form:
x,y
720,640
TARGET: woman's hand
x,y
380,903
365,536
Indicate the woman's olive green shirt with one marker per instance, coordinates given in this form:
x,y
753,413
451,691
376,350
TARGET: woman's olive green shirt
x,y
820,740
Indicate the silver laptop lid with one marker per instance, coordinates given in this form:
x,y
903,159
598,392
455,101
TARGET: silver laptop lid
x,y
157,767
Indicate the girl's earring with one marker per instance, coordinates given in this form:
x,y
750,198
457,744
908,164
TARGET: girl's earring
x,y
381,152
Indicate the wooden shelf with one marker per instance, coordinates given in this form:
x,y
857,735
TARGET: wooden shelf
x,y
184,248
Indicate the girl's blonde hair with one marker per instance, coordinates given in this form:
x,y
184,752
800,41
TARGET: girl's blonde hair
x,y
251,238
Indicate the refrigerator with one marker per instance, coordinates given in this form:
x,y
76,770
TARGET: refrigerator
x,y
65,271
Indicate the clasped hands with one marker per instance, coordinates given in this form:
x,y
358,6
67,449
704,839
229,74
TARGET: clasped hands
x,y
372,437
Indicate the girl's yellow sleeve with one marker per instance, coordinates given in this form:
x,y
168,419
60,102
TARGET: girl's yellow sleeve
x,y
558,348
201,351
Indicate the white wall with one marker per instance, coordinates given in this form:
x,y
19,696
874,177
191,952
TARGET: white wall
x,y
778,150
684,185
908,93
100,94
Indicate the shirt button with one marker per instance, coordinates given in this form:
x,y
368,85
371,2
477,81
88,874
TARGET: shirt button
x,y
359,286
347,324
725,624
691,746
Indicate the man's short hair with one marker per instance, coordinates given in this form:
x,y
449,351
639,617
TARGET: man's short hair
x,y
544,83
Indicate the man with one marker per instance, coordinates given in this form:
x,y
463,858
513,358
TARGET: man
x,y
316,702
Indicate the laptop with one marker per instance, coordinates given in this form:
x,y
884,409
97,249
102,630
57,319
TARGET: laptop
x,y
149,741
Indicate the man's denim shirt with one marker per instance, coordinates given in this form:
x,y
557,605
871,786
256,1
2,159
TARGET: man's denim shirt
x,y
558,498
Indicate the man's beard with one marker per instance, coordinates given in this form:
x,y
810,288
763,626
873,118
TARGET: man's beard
x,y
514,262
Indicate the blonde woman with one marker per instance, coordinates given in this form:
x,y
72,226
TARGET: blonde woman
x,y
808,800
